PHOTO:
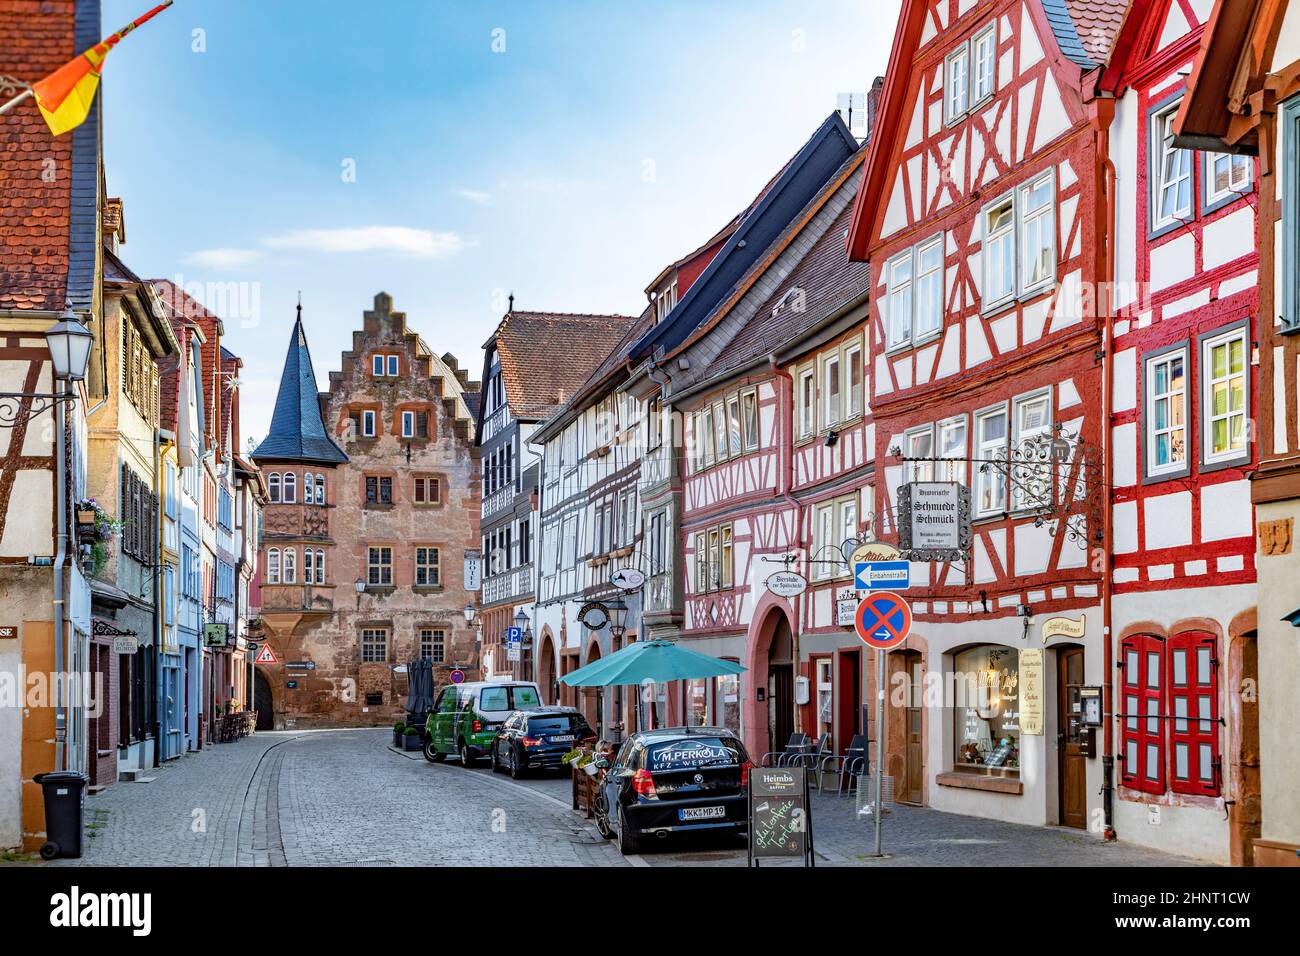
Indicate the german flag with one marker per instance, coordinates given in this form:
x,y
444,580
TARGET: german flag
x,y
65,96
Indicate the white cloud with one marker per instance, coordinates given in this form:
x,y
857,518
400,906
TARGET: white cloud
x,y
473,195
224,260
414,243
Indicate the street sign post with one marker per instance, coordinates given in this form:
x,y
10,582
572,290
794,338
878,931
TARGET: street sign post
x,y
882,575
265,655
883,622
514,643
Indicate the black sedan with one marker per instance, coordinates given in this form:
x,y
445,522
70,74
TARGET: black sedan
x,y
536,739
675,780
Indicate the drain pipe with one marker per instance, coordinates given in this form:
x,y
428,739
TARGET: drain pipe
x,y
60,559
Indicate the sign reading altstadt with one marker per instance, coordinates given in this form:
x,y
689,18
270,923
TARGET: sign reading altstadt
x,y
934,520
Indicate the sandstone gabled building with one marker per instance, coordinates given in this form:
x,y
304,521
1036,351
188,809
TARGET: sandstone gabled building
x,y
373,501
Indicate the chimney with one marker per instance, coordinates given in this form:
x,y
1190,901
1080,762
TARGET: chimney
x,y
873,103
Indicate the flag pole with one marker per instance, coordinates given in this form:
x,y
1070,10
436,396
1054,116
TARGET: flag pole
x,y
7,85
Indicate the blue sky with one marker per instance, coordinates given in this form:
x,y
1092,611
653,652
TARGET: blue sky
x,y
603,141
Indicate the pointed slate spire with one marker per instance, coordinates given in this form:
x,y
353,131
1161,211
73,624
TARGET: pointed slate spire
x,y
297,429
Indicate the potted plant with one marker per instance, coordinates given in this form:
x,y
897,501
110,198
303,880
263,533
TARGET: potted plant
x,y
399,732
96,527
412,739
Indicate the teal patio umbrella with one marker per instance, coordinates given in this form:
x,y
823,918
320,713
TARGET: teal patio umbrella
x,y
656,661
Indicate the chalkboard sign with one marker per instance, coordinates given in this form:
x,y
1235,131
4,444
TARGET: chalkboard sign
x,y
998,757
780,816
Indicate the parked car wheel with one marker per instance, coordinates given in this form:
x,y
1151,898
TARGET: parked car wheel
x,y
432,754
465,759
516,771
627,844
601,815
496,762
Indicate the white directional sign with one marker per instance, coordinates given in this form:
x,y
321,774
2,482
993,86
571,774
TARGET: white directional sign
x,y
882,575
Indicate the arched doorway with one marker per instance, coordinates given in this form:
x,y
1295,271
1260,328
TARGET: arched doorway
x,y
545,674
262,701
780,684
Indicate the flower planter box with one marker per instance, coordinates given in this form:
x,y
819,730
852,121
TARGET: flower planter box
x,y
399,740
412,742
584,792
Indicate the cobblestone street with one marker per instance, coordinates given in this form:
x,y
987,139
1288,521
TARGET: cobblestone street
x,y
345,798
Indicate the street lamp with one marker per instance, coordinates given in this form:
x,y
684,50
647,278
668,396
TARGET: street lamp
x,y
469,612
617,612
69,342
360,585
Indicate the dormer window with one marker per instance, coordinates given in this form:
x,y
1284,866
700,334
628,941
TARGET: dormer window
x,y
984,63
956,90
665,301
970,73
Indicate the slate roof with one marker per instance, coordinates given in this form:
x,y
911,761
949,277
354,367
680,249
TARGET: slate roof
x,y
547,356
49,227
829,281
297,431
1085,30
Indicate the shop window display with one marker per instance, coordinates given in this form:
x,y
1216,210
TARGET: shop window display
x,y
987,712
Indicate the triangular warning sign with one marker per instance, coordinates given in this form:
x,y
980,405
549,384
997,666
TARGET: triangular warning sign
x,y
264,656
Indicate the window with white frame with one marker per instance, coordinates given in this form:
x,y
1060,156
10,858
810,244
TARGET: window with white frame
x,y
749,418
1171,172
919,444
956,98
704,435
290,490
1166,412
368,424
377,365
832,390
308,488
990,447
928,319
1227,176
433,644
273,487
719,431
308,565
320,566
984,49
999,253
1037,247
379,567
374,645
823,538
408,424
853,374
427,567
288,568
733,425
320,488
1223,399
952,445
273,566
807,402
1031,417
898,300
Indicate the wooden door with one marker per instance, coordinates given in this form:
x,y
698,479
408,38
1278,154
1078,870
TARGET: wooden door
x,y
1071,761
914,771
781,703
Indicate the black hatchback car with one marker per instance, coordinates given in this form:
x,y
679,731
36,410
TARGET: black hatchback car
x,y
536,739
674,780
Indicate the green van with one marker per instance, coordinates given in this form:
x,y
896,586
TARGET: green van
x,y
465,717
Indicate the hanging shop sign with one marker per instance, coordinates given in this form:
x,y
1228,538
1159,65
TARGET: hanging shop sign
x,y
1031,691
846,611
1063,627
627,579
594,615
873,551
215,635
934,520
126,644
473,570
787,584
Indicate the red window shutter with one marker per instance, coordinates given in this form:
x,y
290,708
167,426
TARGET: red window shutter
x,y
1142,702
1193,707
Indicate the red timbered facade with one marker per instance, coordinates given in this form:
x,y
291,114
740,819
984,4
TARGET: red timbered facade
x,y
982,217
1184,396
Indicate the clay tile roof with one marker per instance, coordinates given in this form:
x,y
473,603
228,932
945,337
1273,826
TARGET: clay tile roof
x,y
547,356
35,216
1086,29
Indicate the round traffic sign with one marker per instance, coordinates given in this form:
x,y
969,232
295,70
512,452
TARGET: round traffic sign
x,y
458,676
883,620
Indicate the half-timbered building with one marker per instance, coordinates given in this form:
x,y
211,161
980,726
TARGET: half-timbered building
x,y
980,215
1183,383
1243,108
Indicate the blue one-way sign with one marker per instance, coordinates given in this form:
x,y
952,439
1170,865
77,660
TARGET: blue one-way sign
x,y
882,575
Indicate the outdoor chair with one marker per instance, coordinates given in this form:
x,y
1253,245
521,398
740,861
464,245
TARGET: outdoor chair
x,y
812,759
852,763
796,746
